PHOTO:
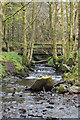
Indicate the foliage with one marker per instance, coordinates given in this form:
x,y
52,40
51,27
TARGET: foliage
x,y
14,58
57,64
66,68
72,76
2,70
50,62
77,84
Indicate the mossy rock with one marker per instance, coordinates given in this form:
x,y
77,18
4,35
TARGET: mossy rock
x,y
61,89
46,82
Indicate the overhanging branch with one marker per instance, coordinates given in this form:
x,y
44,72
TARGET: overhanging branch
x,y
15,12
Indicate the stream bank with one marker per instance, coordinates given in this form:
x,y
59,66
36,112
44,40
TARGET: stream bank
x,y
11,65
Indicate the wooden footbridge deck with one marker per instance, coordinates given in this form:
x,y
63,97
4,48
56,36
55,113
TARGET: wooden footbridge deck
x,y
46,49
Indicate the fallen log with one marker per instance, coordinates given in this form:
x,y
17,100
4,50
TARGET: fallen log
x,y
61,82
42,61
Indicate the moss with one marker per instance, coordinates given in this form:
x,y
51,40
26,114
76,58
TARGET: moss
x,y
14,59
77,84
2,71
61,89
50,62
72,76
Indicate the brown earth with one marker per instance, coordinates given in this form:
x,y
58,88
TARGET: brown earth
x,y
10,67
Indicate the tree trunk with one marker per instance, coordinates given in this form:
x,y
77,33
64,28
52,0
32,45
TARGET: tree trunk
x,y
4,25
24,35
67,31
32,34
79,38
8,36
62,32
1,29
71,25
13,27
76,30
55,33
51,21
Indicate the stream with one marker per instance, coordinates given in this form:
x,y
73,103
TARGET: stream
x,y
29,104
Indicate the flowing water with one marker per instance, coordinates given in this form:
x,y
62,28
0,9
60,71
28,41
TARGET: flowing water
x,y
28,104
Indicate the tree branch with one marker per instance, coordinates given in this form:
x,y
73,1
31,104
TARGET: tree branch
x,y
16,12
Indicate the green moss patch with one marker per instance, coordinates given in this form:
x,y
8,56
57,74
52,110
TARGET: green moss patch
x,y
61,89
10,62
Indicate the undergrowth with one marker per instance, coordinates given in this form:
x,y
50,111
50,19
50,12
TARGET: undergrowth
x,y
12,57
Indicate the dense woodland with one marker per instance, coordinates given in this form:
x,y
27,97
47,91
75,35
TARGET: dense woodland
x,y
27,24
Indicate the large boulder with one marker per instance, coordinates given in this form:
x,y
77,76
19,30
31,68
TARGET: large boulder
x,y
46,82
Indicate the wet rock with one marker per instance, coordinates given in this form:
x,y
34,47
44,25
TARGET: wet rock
x,y
31,69
75,97
51,102
46,82
50,118
39,102
50,93
68,100
22,111
67,93
51,107
77,105
27,88
61,108
53,89
23,116
74,89
44,110
13,102
20,95
44,113
8,109
37,115
48,100
32,115
11,106
63,103
10,112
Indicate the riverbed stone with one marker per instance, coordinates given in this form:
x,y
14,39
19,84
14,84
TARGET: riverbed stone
x,y
74,89
46,82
